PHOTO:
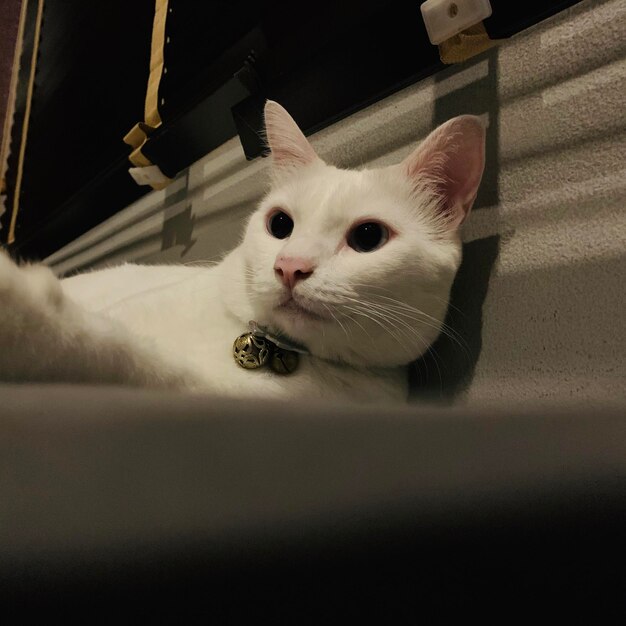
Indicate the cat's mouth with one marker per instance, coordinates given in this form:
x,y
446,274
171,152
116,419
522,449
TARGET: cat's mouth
x,y
301,310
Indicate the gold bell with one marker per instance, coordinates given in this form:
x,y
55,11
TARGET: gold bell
x,y
283,361
250,351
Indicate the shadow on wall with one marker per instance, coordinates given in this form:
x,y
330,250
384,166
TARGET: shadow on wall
x,y
178,221
448,368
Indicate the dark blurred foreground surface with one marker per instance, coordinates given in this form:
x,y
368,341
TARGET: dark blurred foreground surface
x,y
119,505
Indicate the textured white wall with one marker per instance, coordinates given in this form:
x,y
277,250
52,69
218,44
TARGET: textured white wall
x,y
539,302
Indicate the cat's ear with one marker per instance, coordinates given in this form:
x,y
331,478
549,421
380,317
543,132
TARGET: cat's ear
x,y
290,148
452,158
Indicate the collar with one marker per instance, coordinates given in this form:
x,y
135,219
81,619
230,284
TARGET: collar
x,y
282,342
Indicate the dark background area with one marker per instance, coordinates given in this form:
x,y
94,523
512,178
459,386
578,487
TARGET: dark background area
x,y
222,60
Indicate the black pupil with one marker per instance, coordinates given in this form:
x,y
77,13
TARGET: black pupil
x,y
366,237
280,225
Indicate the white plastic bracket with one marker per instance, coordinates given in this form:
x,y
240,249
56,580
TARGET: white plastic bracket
x,y
151,175
447,18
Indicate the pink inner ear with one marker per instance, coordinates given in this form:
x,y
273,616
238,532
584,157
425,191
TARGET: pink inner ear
x,y
453,158
289,146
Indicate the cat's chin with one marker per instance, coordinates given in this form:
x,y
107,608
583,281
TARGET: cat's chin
x,y
293,310
297,320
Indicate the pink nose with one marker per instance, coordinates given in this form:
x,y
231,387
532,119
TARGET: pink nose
x,y
289,270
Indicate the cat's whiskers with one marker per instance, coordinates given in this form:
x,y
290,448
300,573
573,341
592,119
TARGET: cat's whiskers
x,y
407,332
429,348
386,310
445,301
373,316
340,299
337,320
445,331
405,309
354,321
444,328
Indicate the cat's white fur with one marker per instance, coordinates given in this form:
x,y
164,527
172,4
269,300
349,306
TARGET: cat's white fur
x,y
174,326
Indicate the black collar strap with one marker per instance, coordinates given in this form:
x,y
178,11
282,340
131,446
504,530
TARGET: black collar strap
x,y
283,342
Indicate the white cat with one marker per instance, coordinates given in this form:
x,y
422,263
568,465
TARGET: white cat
x,y
355,266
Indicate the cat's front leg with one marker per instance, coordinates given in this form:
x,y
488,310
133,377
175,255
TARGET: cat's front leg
x,y
46,337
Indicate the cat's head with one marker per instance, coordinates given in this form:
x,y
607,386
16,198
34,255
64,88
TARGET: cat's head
x,y
357,265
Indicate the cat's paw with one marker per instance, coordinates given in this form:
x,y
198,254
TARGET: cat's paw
x,y
36,321
43,285
34,285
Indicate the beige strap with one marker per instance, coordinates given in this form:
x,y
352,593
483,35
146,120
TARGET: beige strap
x,y
151,110
29,98
138,135
10,110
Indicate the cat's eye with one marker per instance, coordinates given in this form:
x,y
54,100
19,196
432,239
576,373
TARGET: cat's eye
x,y
279,224
368,237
